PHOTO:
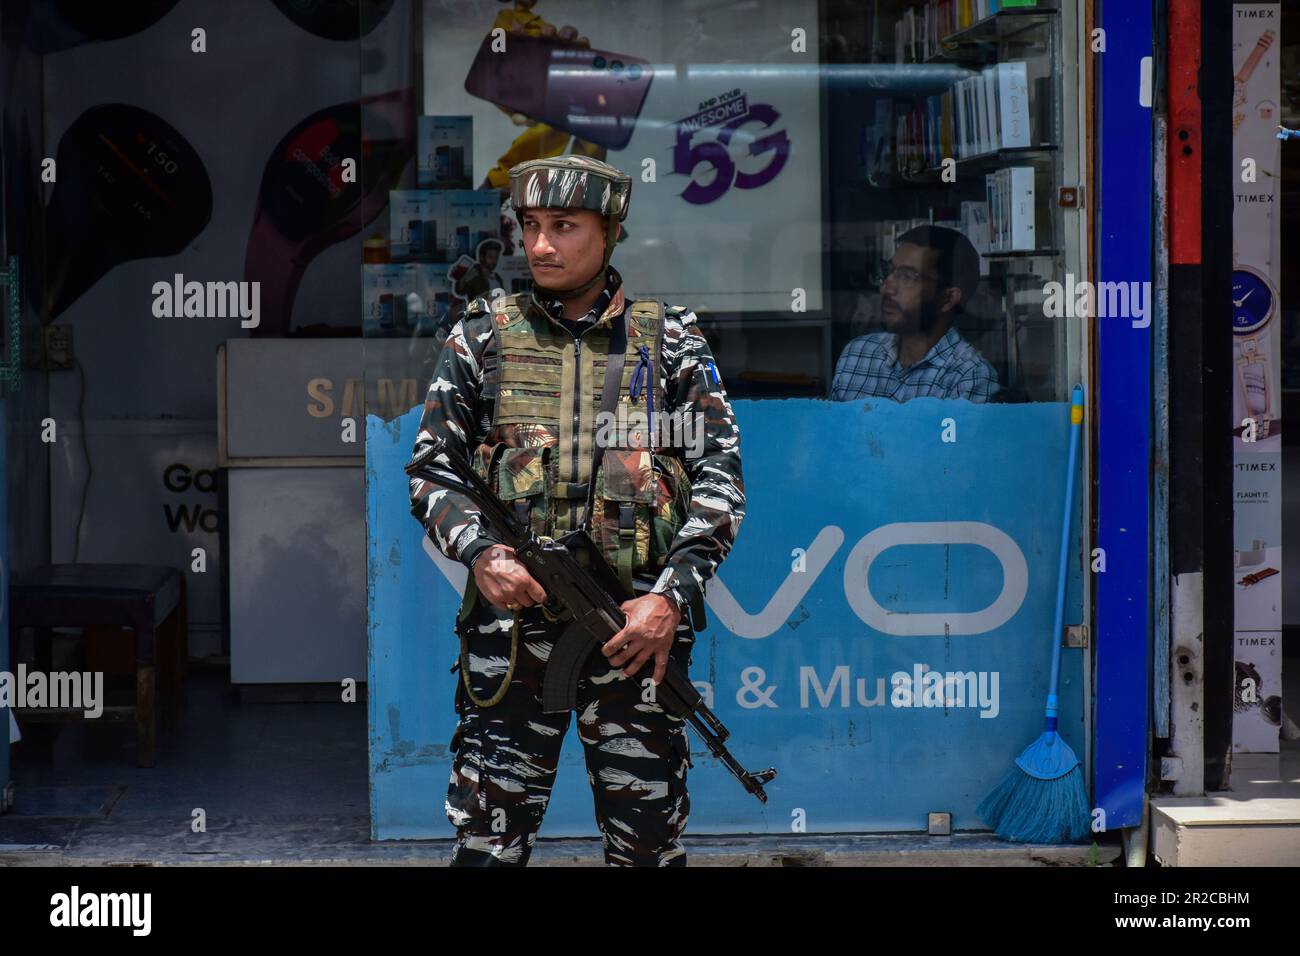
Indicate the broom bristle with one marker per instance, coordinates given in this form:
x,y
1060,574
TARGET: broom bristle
x,y
1025,809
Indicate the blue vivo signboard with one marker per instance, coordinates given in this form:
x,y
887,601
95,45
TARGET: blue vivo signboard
x,y
884,548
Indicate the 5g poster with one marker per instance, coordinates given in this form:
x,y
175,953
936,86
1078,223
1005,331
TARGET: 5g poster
x,y
715,115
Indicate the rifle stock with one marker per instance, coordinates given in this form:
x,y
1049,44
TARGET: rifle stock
x,y
587,601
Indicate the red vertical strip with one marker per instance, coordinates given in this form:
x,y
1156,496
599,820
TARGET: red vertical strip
x,y
1184,132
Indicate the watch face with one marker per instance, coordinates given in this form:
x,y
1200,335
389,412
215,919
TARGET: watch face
x,y
312,197
336,19
129,187
303,187
304,191
1252,301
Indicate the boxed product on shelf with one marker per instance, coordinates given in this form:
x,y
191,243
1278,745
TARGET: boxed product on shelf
x,y
995,185
471,215
997,104
981,114
414,216
384,300
1011,85
445,153
879,143
441,225
404,299
975,226
433,290
1024,208
1012,209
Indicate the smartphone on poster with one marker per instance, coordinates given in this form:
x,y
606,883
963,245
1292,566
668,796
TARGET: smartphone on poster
x,y
595,95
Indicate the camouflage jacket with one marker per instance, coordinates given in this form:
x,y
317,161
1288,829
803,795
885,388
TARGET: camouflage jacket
x,y
455,411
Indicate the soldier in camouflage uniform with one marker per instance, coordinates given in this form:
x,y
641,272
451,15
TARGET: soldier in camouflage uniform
x,y
517,389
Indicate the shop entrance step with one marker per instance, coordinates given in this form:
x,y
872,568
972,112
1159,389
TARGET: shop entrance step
x,y
1255,823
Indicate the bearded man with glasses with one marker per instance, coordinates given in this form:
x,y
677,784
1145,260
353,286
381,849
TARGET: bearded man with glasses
x,y
927,284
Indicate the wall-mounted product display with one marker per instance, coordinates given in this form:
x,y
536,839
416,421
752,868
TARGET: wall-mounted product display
x,y
1257,379
446,152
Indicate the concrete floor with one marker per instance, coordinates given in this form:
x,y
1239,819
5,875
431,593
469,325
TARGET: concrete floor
x,y
286,783
279,766
218,757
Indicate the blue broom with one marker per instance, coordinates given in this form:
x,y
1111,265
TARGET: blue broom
x,y
1042,799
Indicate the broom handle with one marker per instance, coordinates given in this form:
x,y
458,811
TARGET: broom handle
x,y
1063,565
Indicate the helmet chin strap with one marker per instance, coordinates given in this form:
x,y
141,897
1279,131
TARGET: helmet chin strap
x,y
566,294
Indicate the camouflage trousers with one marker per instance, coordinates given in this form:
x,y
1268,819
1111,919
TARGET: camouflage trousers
x,y
505,756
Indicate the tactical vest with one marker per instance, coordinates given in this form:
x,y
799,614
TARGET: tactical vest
x,y
546,390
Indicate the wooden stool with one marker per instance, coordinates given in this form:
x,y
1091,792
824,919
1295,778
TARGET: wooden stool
x,y
138,596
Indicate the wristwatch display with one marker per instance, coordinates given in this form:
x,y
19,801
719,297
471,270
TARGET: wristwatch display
x,y
307,203
1253,301
129,187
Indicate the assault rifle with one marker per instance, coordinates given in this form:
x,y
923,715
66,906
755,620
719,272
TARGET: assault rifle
x,y
586,600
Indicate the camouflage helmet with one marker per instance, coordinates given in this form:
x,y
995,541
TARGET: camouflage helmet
x,y
570,182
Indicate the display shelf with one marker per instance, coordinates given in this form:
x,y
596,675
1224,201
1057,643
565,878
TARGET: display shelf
x,y
997,29
980,41
1024,254
984,163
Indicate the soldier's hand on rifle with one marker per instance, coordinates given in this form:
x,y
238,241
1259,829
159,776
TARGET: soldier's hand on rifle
x,y
504,581
651,625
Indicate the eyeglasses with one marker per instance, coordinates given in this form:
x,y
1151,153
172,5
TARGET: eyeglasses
x,y
902,275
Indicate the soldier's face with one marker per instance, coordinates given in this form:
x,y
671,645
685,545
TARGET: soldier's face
x,y
564,246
